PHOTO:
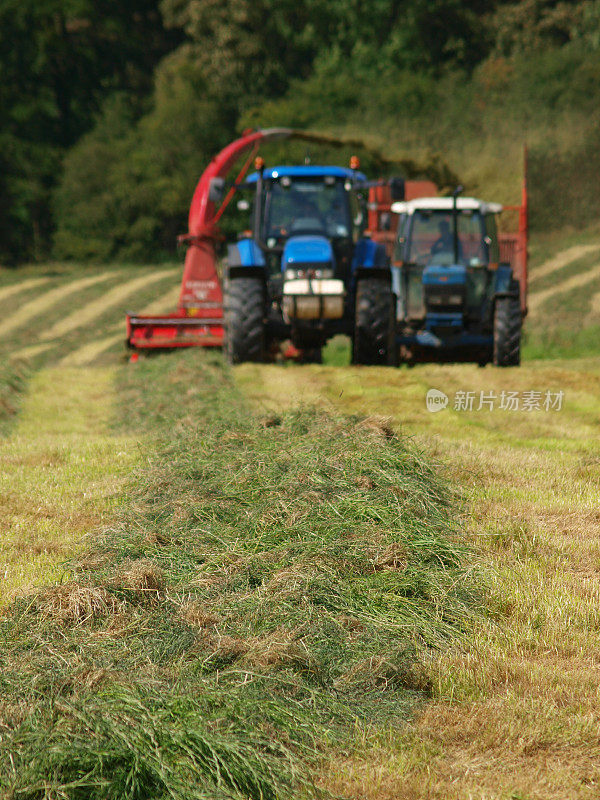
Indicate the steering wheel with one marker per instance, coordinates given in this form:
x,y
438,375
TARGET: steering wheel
x,y
312,224
421,257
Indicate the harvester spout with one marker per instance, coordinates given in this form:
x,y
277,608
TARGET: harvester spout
x,y
199,316
200,287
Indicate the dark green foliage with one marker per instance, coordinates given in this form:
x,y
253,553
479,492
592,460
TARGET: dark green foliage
x,y
539,24
127,185
272,582
253,48
58,59
437,78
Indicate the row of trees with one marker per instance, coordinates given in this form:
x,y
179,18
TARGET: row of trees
x,y
109,110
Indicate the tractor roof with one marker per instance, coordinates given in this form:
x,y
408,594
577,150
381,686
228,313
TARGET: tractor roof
x,y
308,171
446,204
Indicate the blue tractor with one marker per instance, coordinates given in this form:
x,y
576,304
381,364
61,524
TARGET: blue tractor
x,y
308,270
455,300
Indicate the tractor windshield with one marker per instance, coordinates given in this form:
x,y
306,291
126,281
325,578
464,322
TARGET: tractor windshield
x,y
431,238
299,206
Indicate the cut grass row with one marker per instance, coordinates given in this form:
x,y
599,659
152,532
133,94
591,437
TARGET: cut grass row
x,y
564,320
271,590
13,379
49,314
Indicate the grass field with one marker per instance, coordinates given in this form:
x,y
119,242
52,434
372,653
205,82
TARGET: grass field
x,y
61,468
282,588
76,315
513,713
503,706
564,300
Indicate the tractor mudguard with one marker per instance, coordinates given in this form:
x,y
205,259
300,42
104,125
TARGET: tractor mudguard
x,y
245,253
245,259
372,272
371,255
504,284
246,272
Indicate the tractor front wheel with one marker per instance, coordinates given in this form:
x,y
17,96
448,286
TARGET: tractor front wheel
x,y
374,326
507,332
245,338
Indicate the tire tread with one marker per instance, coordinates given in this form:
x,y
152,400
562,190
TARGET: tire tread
x,y
245,320
507,332
374,323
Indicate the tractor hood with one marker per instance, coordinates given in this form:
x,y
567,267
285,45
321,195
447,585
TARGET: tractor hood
x,y
444,276
444,292
307,251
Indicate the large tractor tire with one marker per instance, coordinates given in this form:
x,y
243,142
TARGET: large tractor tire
x,y
374,329
507,332
245,338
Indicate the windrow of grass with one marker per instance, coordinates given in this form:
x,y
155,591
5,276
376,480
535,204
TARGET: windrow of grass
x,y
53,313
271,587
13,380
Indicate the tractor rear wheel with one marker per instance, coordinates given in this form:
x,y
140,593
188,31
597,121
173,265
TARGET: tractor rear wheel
x,y
245,338
507,332
374,329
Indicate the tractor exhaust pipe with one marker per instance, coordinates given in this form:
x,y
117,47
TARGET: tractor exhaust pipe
x,y
259,166
455,194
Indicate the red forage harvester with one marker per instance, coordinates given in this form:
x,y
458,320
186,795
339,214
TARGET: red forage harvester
x,y
198,321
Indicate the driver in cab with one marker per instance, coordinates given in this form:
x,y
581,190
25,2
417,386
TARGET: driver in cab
x,y
445,242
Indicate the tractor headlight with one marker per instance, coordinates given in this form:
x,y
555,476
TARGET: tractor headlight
x,y
445,299
308,272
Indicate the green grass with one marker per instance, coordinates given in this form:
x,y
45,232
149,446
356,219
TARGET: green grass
x,y
31,320
13,380
61,466
565,321
272,586
576,267
140,744
283,593
567,343
512,708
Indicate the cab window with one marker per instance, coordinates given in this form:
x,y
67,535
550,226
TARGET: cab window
x,y
432,238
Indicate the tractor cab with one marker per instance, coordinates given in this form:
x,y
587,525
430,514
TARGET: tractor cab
x,y
308,217
447,276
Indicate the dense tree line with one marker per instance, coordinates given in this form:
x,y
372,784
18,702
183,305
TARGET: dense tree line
x,y
59,60
109,110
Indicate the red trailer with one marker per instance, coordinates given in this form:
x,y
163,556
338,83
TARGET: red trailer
x,y
513,245
382,223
